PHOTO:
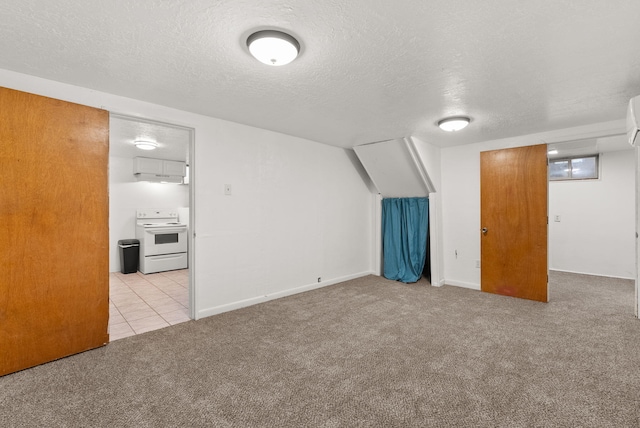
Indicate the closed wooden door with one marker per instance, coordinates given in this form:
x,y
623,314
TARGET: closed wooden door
x,y
513,199
54,292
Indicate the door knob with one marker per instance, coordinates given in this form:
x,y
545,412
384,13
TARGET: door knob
x,y
484,230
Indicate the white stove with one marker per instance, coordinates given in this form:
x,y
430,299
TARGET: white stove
x,y
163,241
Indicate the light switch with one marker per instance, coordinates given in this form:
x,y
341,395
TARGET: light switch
x,y
556,218
227,189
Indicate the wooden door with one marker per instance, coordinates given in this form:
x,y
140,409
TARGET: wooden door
x,y
54,292
513,199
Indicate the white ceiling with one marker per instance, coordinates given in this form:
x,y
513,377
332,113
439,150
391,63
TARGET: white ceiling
x,y
173,141
589,146
370,70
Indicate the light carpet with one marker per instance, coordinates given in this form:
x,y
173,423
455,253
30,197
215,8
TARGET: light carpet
x,y
367,352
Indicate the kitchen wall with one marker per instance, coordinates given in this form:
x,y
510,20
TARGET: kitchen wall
x,y
596,232
126,195
300,213
460,175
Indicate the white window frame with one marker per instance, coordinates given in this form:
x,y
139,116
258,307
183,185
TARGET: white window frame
x,y
570,159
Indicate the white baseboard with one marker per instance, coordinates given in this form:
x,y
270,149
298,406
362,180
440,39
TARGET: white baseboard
x,y
462,284
473,286
203,313
591,274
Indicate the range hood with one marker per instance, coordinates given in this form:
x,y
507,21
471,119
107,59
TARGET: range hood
x,y
159,170
159,178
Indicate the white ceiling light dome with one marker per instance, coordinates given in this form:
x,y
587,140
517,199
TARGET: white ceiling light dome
x,y
451,124
145,145
273,47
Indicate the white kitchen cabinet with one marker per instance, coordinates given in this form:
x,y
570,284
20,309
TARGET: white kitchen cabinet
x,y
174,168
147,166
159,170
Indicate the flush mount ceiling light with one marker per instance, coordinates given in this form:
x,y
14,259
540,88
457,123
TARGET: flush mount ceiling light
x,y
145,145
552,152
273,47
451,124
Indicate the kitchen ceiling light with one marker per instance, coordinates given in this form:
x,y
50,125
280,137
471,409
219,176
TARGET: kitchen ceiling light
x,y
452,124
273,47
145,145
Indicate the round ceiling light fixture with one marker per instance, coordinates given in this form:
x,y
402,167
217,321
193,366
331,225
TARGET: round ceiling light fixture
x,y
145,145
451,124
273,47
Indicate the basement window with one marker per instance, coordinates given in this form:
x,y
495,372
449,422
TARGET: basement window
x,y
575,168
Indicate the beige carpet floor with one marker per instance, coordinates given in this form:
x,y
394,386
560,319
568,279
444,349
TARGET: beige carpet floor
x,y
364,353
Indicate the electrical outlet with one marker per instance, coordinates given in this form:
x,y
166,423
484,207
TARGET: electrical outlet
x,y
478,263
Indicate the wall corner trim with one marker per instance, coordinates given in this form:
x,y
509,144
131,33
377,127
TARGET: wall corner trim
x,y
439,283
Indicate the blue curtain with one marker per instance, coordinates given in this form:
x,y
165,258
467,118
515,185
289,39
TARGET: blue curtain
x,y
404,237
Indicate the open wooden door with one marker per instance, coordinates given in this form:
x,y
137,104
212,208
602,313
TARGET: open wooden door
x,y
54,230
513,200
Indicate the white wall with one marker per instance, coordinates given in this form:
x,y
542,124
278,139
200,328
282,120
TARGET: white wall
x,y
430,156
126,195
461,215
299,209
637,201
460,174
392,167
596,232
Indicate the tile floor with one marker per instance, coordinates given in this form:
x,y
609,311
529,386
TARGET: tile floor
x,y
139,303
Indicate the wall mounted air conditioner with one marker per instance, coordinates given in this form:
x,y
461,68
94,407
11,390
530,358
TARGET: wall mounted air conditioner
x,y
159,170
633,121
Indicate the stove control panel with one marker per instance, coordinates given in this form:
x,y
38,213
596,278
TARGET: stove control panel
x,y
157,214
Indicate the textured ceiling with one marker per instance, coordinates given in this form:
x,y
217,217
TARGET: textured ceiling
x,y
370,70
173,141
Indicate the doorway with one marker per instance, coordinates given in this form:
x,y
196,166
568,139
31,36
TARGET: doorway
x,y
592,207
144,302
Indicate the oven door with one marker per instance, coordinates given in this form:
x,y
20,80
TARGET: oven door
x,y
164,240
